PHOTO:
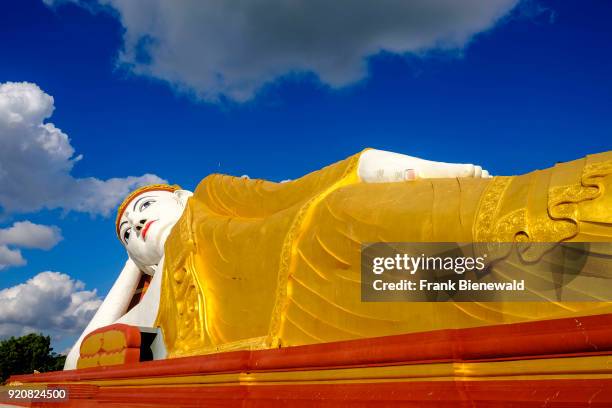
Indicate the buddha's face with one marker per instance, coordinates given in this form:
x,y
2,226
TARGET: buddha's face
x,y
147,222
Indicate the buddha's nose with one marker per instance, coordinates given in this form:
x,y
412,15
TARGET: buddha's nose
x,y
140,225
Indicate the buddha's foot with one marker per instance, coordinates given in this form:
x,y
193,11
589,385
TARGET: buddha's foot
x,y
378,166
450,170
110,345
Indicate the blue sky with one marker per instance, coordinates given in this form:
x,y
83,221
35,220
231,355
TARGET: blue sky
x,y
531,89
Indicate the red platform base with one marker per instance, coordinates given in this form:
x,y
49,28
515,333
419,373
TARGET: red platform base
x,y
555,363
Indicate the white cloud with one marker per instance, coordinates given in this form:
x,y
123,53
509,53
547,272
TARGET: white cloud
x,y
26,234
232,48
36,159
50,302
10,257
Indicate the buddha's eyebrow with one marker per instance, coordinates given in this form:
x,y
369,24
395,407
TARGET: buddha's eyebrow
x,y
137,201
120,225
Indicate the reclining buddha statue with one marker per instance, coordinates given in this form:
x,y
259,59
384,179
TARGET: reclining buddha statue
x,y
250,264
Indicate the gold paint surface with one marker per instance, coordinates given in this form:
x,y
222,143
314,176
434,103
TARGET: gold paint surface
x,y
254,264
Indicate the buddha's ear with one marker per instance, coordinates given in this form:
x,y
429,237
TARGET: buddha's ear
x,y
183,195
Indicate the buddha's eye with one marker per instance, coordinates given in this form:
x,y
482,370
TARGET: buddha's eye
x,y
126,235
146,204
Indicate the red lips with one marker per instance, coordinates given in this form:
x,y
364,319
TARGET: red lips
x,y
146,229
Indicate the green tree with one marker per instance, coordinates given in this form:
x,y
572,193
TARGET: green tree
x,y
23,355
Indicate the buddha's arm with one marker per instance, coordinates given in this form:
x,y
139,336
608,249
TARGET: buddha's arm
x,y
145,312
114,306
379,166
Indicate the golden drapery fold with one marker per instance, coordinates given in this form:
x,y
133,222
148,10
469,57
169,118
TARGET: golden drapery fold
x,y
258,264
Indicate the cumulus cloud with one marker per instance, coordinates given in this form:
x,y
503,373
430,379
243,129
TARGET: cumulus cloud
x,y
25,234
232,48
50,302
36,159
10,257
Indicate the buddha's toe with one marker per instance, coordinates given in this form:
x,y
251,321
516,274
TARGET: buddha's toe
x,y
466,170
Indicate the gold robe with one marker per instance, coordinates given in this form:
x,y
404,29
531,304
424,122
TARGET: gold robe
x,y
257,264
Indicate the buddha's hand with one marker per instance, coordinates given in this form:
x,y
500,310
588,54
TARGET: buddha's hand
x,y
378,166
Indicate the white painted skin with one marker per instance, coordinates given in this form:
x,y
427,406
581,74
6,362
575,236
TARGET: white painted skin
x,y
147,222
145,312
114,306
379,166
156,212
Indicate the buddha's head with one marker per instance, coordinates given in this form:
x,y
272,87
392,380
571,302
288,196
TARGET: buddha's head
x,y
145,219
